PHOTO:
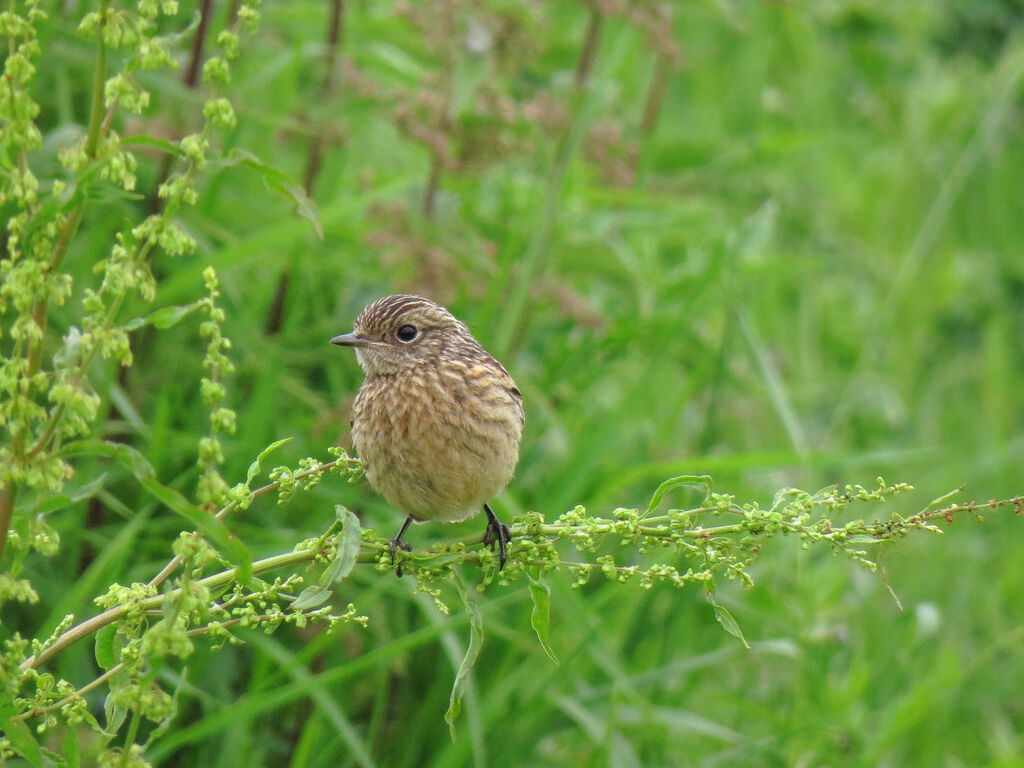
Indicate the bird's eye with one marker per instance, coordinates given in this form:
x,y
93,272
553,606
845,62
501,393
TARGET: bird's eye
x,y
406,333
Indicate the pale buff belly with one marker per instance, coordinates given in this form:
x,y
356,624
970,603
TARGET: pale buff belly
x,y
436,457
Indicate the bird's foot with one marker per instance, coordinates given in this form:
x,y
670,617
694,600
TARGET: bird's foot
x,y
397,544
497,533
393,546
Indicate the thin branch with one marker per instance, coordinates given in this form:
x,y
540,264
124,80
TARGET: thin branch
x,y
191,76
7,497
314,157
655,93
76,695
331,44
111,615
588,54
533,542
175,561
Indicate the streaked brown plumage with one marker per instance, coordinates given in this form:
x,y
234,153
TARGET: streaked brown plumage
x,y
437,421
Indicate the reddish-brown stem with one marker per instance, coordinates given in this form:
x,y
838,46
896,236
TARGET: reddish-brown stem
x,y
433,182
314,158
655,94
585,64
7,496
191,76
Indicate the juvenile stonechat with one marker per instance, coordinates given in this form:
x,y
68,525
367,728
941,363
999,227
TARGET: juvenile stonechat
x,y
437,420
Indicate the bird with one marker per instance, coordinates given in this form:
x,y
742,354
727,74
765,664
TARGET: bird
x,y
437,421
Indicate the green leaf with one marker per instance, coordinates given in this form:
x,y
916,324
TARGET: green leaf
x,y
476,641
280,182
540,618
255,468
167,317
124,454
59,501
106,649
311,597
145,140
676,482
348,550
726,620
20,736
72,751
163,318
115,715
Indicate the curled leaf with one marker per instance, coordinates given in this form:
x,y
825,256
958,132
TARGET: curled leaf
x,y
540,618
348,549
476,641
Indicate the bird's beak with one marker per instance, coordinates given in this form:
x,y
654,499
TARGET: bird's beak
x,y
350,340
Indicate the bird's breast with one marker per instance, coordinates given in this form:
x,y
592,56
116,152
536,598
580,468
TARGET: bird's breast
x,y
437,442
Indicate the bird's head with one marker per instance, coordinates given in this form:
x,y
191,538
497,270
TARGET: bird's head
x,y
402,331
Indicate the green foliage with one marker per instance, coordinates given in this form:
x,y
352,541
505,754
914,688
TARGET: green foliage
x,y
772,244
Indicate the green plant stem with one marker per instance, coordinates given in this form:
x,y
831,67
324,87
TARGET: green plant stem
x,y
196,631
129,739
40,310
99,80
111,615
74,219
76,695
373,548
172,565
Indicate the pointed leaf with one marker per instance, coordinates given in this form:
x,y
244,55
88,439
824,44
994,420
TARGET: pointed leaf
x,y
87,491
540,618
728,623
348,549
255,468
20,736
476,641
165,317
676,482
106,651
311,597
114,714
72,751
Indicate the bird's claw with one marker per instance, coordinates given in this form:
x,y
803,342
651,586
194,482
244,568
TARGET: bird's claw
x,y
497,533
393,546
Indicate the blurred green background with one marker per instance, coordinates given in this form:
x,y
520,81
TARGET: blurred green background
x,y
779,243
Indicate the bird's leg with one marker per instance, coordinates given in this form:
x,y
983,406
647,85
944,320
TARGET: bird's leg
x,y
498,532
396,543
